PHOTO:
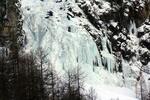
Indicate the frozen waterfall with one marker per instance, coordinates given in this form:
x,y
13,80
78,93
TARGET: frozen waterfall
x,y
66,48
68,43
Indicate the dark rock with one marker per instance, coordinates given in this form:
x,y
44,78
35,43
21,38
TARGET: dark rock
x,y
145,43
69,29
140,34
145,58
50,13
58,1
47,17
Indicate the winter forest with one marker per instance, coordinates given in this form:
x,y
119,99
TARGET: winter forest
x,y
74,49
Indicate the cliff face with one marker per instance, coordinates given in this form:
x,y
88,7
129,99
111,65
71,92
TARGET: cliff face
x,y
11,33
109,39
8,21
105,37
121,18
128,30
140,12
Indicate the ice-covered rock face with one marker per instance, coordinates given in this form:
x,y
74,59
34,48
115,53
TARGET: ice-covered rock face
x,y
63,37
85,33
59,28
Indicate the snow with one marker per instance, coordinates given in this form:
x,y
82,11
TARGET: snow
x,y
114,93
117,94
69,49
131,68
114,24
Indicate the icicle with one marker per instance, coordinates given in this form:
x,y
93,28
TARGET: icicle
x,y
132,28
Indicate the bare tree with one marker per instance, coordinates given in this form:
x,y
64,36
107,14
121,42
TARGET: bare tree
x,y
91,94
4,95
74,84
52,83
41,58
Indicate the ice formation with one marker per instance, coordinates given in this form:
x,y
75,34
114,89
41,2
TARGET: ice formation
x,y
50,25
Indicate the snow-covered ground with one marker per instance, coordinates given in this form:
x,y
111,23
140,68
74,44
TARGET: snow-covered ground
x,y
114,93
49,24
